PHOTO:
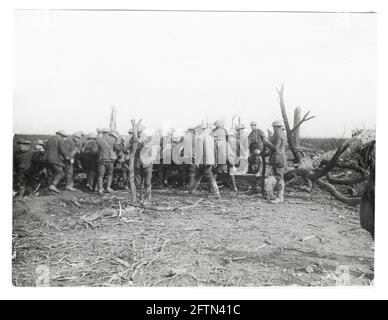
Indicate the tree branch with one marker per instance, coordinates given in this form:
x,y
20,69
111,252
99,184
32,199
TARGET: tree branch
x,y
333,191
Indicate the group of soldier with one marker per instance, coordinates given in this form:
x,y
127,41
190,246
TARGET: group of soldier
x,y
106,154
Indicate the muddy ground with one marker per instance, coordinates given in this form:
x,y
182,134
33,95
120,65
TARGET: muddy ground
x,y
80,239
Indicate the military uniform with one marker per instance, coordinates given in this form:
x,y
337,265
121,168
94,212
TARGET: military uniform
x,y
254,163
23,156
107,147
72,151
55,158
256,140
143,172
277,159
89,159
204,145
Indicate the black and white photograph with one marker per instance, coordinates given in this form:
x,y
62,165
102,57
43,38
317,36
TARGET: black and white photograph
x,y
178,148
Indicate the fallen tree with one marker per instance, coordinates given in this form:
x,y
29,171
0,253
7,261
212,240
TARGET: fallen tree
x,y
319,169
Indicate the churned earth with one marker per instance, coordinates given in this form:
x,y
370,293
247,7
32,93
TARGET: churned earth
x,y
83,239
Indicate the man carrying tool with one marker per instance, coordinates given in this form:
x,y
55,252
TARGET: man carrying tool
x,y
277,157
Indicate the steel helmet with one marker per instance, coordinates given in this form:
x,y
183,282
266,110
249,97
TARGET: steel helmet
x,y
217,123
277,124
62,133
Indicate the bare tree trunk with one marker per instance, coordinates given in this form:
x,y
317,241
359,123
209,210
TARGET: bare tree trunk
x,y
291,144
296,133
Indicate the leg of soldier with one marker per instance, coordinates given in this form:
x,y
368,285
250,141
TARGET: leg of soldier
x,y
167,174
279,173
86,166
161,173
131,178
138,183
69,169
58,172
21,181
198,175
184,172
147,178
101,173
109,173
191,175
93,174
50,174
124,173
213,184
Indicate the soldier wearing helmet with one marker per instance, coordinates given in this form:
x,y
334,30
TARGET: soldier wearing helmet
x,y
89,159
73,150
107,155
39,146
255,138
254,162
56,157
23,155
277,157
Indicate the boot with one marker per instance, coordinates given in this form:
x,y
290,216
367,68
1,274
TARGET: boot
x,y
70,187
280,197
53,188
139,195
147,198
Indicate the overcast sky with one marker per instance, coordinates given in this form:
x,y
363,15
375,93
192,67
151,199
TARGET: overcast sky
x,y
178,68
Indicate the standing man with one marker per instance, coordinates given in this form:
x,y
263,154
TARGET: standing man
x,y
256,138
220,136
277,157
143,170
22,165
106,159
89,158
205,159
71,144
55,157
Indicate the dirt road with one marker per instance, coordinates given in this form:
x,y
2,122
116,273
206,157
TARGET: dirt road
x,y
189,240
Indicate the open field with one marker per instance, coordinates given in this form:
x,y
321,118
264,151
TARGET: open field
x,y
189,240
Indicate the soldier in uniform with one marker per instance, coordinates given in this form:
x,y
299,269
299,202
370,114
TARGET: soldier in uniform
x,y
143,170
107,147
205,159
220,136
277,157
256,138
55,158
188,167
72,145
254,162
40,145
100,133
89,158
22,165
